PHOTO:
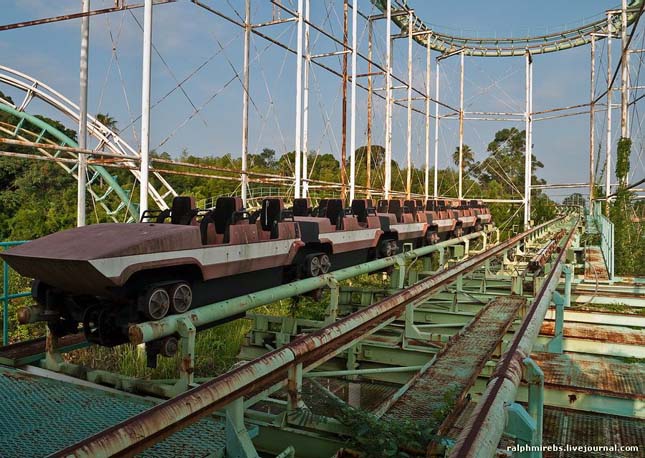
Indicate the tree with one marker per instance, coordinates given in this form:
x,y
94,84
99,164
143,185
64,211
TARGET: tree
x,y
629,253
468,157
108,121
575,199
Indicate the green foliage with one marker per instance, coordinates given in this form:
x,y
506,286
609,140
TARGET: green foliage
x,y
575,199
629,249
623,152
376,437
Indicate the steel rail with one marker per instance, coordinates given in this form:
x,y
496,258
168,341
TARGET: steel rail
x,y
144,430
153,330
66,17
506,47
482,433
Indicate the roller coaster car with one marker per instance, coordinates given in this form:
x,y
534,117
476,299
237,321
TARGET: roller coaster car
x,y
109,275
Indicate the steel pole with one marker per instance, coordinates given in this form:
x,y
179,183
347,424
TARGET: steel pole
x,y
368,159
426,180
305,102
527,141
387,185
624,72
343,143
408,181
145,106
592,123
608,146
352,140
298,146
436,132
461,126
245,100
82,121
145,332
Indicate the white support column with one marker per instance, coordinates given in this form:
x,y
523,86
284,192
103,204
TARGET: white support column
x,y
527,141
592,123
624,72
298,144
352,139
81,171
426,181
145,107
305,103
387,185
408,181
436,131
245,100
609,108
461,126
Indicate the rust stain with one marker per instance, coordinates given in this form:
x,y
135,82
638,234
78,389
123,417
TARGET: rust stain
x,y
597,333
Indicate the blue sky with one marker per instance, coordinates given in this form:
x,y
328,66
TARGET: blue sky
x,y
193,41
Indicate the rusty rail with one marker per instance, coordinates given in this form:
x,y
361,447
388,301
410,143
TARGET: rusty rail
x,y
484,429
144,430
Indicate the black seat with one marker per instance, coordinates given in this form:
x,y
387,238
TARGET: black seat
x,y
382,206
301,207
410,206
206,221
360,209
334,211
271,215
183,211
322,208
395,208
225,207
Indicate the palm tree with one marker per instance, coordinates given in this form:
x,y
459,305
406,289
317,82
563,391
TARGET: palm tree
x,y
108,121
468,157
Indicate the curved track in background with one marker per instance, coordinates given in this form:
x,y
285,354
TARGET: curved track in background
x,y
503,47
107,139
99,189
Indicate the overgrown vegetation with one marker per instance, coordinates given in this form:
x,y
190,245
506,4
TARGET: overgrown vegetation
x,y
378,437
629,243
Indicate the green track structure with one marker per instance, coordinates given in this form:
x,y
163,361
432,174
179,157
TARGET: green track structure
x,y
100,185
503,47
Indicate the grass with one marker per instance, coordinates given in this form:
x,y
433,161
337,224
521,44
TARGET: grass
x,y
612,308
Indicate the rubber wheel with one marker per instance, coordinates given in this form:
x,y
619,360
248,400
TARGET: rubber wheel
x,y
313,266
181,297
155,303
325,263
387,248
432,237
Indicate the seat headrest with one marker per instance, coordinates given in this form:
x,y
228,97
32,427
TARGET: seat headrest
x,y
271,212
383,206
223,214
182,210
334,210
301,206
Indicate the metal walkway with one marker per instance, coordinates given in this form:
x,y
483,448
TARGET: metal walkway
x,y
41,415
458,364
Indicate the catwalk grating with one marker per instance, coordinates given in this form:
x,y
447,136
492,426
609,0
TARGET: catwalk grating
x,y
457,366
40,416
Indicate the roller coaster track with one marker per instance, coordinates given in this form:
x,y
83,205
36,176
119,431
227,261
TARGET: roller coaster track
x,y
101,184
504,47
300,355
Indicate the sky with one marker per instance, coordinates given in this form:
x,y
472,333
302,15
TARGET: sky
x,y
203,52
